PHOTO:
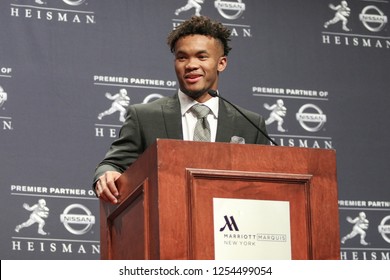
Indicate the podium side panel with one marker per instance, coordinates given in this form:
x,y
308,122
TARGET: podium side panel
x,y
129,227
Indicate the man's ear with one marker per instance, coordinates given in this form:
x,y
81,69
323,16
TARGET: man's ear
x,y
222,63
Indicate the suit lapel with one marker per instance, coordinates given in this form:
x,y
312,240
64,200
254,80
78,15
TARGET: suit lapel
x,y
172,118
226,123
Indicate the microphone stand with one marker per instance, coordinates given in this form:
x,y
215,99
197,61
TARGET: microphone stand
x,y
213,93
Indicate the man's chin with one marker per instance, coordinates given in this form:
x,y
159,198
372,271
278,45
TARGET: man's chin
x,y
194,94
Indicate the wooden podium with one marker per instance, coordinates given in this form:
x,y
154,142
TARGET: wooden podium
x,y
166,202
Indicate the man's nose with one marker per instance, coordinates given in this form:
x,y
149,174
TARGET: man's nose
x,y
192,63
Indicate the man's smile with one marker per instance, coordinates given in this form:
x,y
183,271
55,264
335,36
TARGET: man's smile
x,y
193,78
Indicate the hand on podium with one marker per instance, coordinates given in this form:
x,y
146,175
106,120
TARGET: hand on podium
x,y
106,188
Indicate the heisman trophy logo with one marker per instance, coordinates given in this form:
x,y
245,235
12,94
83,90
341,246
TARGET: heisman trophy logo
x,y
278,112
39,212
360,225
342,13
119,103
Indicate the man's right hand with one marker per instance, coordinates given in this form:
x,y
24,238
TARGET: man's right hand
x,y
106,188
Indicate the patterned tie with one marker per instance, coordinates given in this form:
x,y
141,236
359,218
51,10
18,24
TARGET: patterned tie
x,y
202,127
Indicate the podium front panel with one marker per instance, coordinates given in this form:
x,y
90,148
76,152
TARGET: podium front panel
x,y
204,185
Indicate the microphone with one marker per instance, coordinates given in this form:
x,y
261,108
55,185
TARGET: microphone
x,y
214,93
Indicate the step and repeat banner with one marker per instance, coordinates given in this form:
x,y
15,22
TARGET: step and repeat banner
x,y
318,71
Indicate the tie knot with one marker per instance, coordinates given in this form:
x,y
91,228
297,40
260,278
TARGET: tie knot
x,y
200,110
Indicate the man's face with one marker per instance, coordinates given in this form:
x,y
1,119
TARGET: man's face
x,y
198,60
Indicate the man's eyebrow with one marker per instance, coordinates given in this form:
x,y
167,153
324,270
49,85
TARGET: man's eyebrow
x,y
185,52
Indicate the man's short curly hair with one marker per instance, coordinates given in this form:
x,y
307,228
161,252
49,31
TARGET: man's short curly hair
x,y
201,25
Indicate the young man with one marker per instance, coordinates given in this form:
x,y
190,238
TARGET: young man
x,y
200,47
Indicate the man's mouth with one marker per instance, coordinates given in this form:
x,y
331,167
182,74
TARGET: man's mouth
x,y
191,78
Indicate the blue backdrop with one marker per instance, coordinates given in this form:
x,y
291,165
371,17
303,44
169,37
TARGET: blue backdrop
x,y
326,63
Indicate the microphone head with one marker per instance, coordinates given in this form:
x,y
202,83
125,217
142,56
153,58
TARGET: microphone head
x,y
213,93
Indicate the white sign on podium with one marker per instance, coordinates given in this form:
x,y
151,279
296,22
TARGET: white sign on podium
x,y
251,229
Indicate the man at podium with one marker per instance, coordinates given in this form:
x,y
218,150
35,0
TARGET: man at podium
x,y
200,47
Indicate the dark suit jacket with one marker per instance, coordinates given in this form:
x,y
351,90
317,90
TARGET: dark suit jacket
x,y
162,119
